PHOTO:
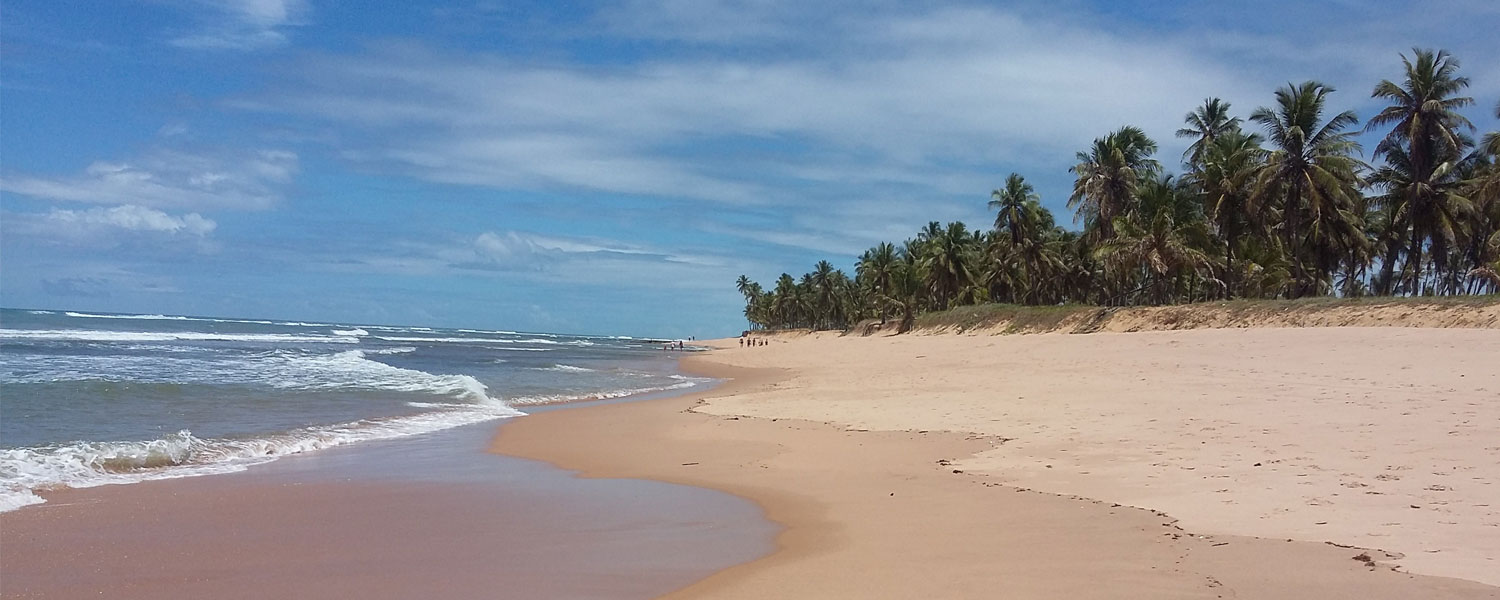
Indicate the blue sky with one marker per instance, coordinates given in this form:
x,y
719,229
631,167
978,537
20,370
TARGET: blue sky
x,y
593,167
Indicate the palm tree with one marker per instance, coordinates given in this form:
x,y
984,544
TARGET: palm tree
x,y
824,287
948,264
1422,150
1226,173
1431,208
1017,204
1491,142
784,307
1165,248
1206,124
746,287
1107,177
878,266
1311,175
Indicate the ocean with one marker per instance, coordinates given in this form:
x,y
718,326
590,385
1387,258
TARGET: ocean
x,y
90,399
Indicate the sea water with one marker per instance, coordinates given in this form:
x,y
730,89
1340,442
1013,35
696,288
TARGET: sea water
x,y
90,399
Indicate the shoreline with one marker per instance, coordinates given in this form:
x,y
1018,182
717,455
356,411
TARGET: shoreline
x,y
430,515
872,510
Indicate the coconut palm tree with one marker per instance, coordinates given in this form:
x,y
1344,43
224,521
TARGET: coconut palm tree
x,y
1428,205
878,266
1226,174
949,264
1017,203
1311,176
1107,176
1164,245
1422,149
1205,124
825,294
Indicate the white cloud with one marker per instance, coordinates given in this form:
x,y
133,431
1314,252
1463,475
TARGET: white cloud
x,y
169,179
110,227
128,218
933,93
242,24
813,110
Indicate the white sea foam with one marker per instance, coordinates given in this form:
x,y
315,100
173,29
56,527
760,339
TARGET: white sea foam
x,y
565,369
182,318
683,383
40,312
485,340
280,369
89,335
356,332
135,317
397,350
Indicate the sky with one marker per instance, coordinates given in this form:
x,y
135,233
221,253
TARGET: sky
x,y
606,168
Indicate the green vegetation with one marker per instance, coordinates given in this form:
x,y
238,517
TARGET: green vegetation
x,y
1287,212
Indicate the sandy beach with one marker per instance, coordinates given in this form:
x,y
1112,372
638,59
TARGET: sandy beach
x,y
1276,463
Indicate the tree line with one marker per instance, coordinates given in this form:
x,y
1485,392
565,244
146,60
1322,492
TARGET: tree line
x,y
1281,206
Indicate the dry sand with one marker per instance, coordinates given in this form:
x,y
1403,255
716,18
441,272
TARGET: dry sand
x,y
1371,437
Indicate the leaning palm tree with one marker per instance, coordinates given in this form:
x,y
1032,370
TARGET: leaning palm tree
x,y
1311,176
1205,124
1107,177
1422,149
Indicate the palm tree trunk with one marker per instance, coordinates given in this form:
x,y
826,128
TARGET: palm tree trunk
x,y
1386,284
1414,257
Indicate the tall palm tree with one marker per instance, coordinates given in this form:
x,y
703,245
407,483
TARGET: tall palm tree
x,y
1312,176
784,306
1226,174
825,290
1017,204
1422,150
744,285
1205,124
1429,205
1107,176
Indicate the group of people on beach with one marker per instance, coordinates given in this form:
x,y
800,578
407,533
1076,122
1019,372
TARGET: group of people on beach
x,y
750,341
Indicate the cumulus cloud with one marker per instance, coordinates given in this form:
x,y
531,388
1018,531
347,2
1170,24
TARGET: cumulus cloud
x,y
242,24
170,179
